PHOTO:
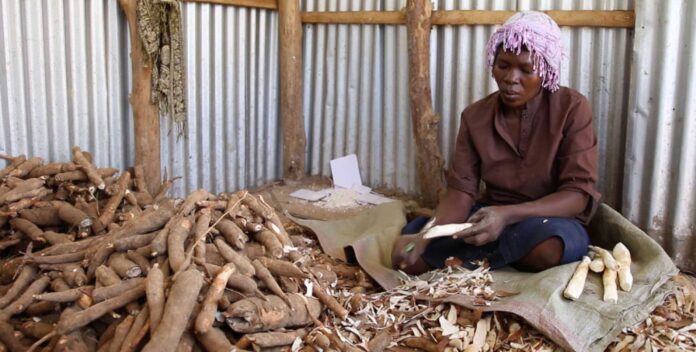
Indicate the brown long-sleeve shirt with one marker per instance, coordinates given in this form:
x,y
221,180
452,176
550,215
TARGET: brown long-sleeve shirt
x,y
557,150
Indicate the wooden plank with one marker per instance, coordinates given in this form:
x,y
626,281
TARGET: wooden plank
x,y
429,162
617,19
355,17
571,18
146,120
470,17
262,4
291,112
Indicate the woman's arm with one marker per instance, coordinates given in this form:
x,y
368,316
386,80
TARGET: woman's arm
x,y
489,222
454,207
563,203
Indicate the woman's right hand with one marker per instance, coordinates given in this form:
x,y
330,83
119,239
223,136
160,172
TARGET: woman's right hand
x,y
407,252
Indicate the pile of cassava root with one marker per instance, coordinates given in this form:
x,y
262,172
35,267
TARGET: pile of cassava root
x,y
91,261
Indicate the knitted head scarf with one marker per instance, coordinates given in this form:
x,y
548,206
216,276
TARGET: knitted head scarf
x,y
538,33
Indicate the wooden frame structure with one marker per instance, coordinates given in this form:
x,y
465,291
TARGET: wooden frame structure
x,y
417,16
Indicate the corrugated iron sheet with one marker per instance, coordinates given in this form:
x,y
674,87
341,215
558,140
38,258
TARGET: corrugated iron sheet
x,y
354,97
660,167
233,139
356,86
65,71
64,80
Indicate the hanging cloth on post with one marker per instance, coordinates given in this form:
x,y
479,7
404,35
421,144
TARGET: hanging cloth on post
x,y
159,24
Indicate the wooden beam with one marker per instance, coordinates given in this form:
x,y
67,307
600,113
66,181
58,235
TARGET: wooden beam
x,y
429,162
291,117
470,17
262,4
145,113
355,17
571,18
616,19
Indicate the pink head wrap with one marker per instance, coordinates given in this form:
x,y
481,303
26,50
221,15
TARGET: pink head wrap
x,y
539,34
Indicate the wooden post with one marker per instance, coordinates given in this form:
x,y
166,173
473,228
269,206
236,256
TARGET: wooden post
x,y
292,119
145,113
425,123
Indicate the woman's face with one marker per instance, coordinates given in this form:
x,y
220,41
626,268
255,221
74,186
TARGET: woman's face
x,y
516,79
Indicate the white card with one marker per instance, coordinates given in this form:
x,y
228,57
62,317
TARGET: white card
x,y
345,171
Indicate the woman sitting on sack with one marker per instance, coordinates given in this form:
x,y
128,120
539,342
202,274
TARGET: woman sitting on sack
x,y
533,146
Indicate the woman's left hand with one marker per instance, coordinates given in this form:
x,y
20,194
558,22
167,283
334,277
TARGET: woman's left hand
x,y
488,222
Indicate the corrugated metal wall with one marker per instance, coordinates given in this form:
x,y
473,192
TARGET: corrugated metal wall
x,y
355,99
64,79
65,71
356,86
232,95
660,166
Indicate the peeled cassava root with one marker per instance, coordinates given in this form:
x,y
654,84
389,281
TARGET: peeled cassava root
x,y
609,281
612,265
445,230
607,257
623,258
577,282
597,265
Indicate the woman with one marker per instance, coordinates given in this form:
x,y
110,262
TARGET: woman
x,y
533,146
